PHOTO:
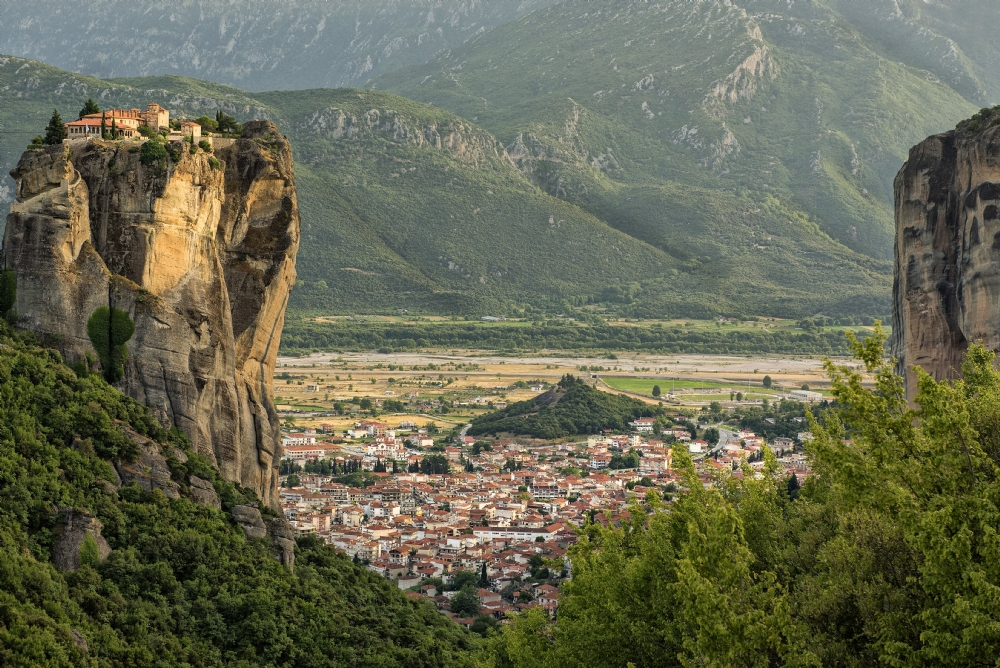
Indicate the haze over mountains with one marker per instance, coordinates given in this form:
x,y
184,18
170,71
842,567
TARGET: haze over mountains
x,y
681,158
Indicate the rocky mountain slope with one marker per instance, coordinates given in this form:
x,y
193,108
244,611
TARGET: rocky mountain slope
x,y
198,248
947,249
406,206
664,119
742,150
256,45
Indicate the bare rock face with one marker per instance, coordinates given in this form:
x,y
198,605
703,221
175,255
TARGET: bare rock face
x,y
947,274
73,529
204,493
249,519
199,249
150,470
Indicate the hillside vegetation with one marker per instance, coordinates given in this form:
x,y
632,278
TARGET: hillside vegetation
x,y
182,585
885,556
572,408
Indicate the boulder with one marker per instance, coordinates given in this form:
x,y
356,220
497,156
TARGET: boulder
x,y
149,470
248,517
282,541
203,492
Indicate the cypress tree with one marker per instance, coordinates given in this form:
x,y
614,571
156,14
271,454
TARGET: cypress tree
x,y
109,330
55,131
8,291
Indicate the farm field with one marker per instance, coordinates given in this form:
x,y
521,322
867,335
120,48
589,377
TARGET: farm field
x,y
468,383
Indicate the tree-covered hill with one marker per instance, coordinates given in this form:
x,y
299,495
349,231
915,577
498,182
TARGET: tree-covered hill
x,y
572,408
182,585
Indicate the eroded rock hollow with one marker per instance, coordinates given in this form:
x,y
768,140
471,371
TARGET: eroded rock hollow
x,y
199,248
947,274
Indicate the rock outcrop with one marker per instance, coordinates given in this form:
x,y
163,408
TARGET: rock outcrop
x,y
198,248
72,530
947,278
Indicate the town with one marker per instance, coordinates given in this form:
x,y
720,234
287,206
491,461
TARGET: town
x,y
482,525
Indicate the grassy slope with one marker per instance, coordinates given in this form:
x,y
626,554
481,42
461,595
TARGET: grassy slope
x,y
182,586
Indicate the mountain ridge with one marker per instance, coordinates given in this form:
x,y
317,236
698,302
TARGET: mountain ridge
x,y
462,230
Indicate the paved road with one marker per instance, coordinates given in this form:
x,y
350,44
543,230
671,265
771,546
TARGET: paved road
x,y
725,436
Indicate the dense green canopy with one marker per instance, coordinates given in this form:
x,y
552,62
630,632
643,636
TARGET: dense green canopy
x,y
183,585
888,554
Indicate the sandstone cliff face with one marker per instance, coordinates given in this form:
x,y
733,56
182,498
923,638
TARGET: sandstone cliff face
x,y
202,256
947,277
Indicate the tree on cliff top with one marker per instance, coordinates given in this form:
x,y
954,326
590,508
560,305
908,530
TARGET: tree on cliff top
x,y
227,124
55,131
90,108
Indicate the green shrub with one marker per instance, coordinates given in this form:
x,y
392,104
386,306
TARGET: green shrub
x,y
113,352
8,291
152,151
205,145
207,123
214,163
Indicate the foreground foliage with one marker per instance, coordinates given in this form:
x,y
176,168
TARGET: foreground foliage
x,y
183,586
886,556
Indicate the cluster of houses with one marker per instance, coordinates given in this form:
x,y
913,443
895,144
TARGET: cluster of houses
x,y
493,511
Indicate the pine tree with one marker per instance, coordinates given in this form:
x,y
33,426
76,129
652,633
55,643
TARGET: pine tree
x,y
104,127
90,108
114,129
55,131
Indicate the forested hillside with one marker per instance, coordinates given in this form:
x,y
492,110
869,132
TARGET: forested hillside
x,y
572,408
182,584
